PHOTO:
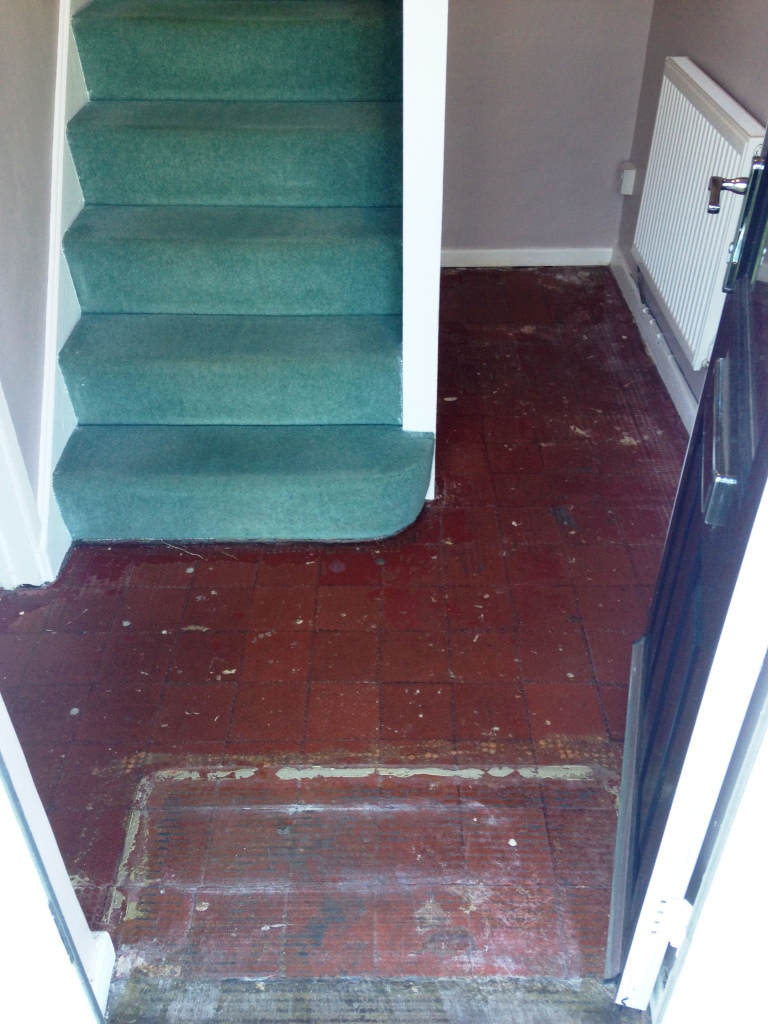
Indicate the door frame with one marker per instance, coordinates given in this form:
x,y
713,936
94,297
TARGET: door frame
x,y
52,960
732,902
736,667
23,558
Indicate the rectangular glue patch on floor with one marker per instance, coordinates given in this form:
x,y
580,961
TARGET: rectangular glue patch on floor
x,y
367,871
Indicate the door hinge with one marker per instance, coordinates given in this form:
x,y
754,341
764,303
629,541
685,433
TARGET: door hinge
x,y
671,920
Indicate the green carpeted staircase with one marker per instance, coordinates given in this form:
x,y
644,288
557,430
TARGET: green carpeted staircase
x,y
237,369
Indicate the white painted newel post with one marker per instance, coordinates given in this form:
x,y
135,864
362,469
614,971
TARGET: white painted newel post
x,y
425,43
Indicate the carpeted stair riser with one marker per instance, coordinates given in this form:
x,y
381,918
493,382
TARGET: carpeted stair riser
x,y
253,260
237,483
268,154
241,49
237,370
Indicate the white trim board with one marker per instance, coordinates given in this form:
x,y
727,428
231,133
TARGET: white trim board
x,y
40,981
425,51
672,376
44,952
62,309
559,257
21,558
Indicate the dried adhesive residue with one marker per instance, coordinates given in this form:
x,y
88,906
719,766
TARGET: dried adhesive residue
x,y
568,772
324,773
131,911
178,775
573,772
392,773
238,773
445,773
131,835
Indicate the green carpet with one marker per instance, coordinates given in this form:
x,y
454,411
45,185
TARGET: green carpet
x,y
249,154
236,483
225,259
237,370
242,49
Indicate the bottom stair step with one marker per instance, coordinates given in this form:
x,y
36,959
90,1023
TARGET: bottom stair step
x,y
331,483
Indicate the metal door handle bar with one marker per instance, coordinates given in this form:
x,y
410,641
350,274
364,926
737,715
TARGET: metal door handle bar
x,y
718,483
718,185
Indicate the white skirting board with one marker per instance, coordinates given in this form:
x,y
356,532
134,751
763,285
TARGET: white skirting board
x,y
562,257
674,381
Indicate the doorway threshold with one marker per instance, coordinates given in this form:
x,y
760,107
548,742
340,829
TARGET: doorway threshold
x,y
152,1000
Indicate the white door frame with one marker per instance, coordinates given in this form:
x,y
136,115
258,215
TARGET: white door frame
x,y
726,937
735,670
53,966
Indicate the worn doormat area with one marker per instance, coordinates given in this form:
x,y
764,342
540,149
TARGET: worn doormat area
x,y
365,872
147,1000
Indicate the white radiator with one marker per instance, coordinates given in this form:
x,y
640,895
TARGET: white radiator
x,y
682,250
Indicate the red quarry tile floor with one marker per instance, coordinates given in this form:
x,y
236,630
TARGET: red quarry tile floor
x,y
496,631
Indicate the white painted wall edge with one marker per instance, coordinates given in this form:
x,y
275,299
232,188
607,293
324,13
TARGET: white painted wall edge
x,y
425,49
555,257
95,951
735,670
655,342
39,980
62,308
58,142
21,558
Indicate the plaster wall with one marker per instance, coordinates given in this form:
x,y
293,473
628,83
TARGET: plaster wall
x,y
542,97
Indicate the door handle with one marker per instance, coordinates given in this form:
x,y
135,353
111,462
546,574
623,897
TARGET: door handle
x,y
718,185
718,484
735,254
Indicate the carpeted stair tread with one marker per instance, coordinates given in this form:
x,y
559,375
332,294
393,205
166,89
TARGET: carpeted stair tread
x,y
237,369
241,482
218,153
168,369
241,49
248,260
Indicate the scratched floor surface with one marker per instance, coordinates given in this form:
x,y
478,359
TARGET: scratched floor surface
x,y
363,872
494,632
162,1000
